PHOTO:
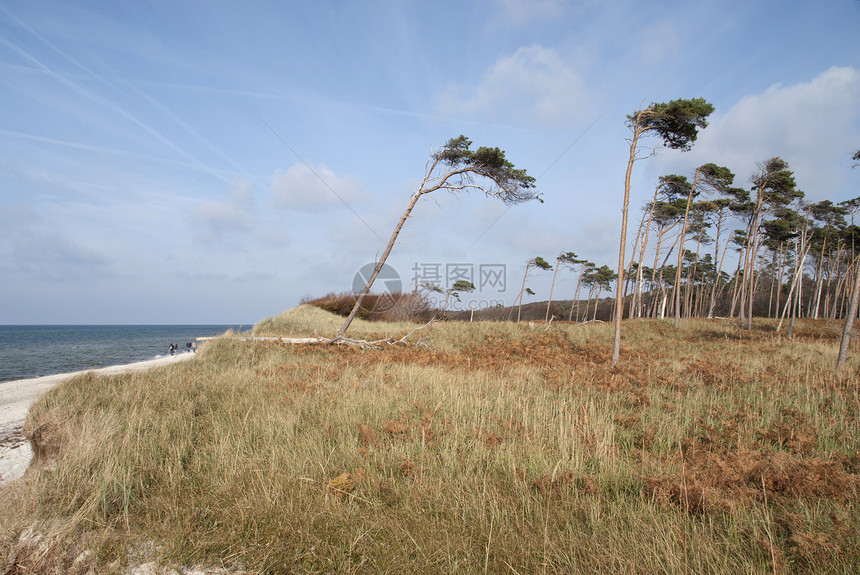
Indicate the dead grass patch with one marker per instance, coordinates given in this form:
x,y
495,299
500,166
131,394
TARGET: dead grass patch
x,y
723,482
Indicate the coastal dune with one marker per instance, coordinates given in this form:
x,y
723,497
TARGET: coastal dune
x,y
16,397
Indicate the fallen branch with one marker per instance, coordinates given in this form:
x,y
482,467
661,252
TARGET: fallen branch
x,y
363,343
337,340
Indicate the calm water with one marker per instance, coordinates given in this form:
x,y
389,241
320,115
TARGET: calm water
x,y
33,351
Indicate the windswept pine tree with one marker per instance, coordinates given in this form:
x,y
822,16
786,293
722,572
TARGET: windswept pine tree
x,y
677,124
774,186
713,177
564,259
537,262
456,167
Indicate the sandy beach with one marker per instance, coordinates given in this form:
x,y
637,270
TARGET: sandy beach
x,y
16,397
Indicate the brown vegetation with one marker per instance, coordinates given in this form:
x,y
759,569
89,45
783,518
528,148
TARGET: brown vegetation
x,y
386,307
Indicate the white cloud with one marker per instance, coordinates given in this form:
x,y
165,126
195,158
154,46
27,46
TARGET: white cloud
x,y
305,187
534,85
47,254
811,125
218,219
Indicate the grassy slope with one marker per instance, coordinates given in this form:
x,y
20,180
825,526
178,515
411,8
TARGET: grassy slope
x,y
490,447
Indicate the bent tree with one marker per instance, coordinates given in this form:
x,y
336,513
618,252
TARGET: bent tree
x,y
774,186
459,286
537,262
568,259
677,123
714,177
456,167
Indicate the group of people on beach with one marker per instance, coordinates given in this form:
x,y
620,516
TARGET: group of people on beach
x,y
173,348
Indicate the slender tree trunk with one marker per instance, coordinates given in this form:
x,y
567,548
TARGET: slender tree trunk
x,y
552,287
782,258
818,281
833,270
630,265
845,343
794,309
381,263
719,266
691,277
794,291
841,295
575,301
752,279
637,291
772,284
619,301
640,241
743,283
681,250
525,275
663,291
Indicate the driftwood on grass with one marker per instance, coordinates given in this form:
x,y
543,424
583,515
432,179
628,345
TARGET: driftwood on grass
x,y
337,340
363,343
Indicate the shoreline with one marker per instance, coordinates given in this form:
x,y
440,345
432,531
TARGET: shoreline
x,y
18,395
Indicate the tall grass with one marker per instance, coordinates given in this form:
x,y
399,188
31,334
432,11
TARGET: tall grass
x,y
489,448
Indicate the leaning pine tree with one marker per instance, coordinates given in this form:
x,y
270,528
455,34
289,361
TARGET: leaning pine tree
x,y
456,167
677,123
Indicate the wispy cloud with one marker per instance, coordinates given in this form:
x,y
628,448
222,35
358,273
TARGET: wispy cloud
x,y
219,220
73,84
534,85
306,187
45,254
521,12
812,125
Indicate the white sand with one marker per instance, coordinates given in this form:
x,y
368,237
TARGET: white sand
x,y
16,397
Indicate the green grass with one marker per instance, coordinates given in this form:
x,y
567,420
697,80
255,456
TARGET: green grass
x,y
488,448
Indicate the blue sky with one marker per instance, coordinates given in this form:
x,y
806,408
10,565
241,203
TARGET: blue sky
x,y
211,162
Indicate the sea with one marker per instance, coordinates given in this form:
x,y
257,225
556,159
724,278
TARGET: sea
x,y
36,350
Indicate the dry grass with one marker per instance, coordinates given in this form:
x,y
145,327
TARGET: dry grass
x,y
489,448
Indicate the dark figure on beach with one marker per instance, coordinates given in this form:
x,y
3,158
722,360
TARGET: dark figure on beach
x,y
188,347
172,348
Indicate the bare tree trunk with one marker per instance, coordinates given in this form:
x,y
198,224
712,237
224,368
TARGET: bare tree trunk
x,y
630,265
619,295
719,269
691,278
635,302
782,258
681,250
552,287
751,295
643,227
379,265
575,301
802,250
849,320
841,295
832,270
818,281
525,275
